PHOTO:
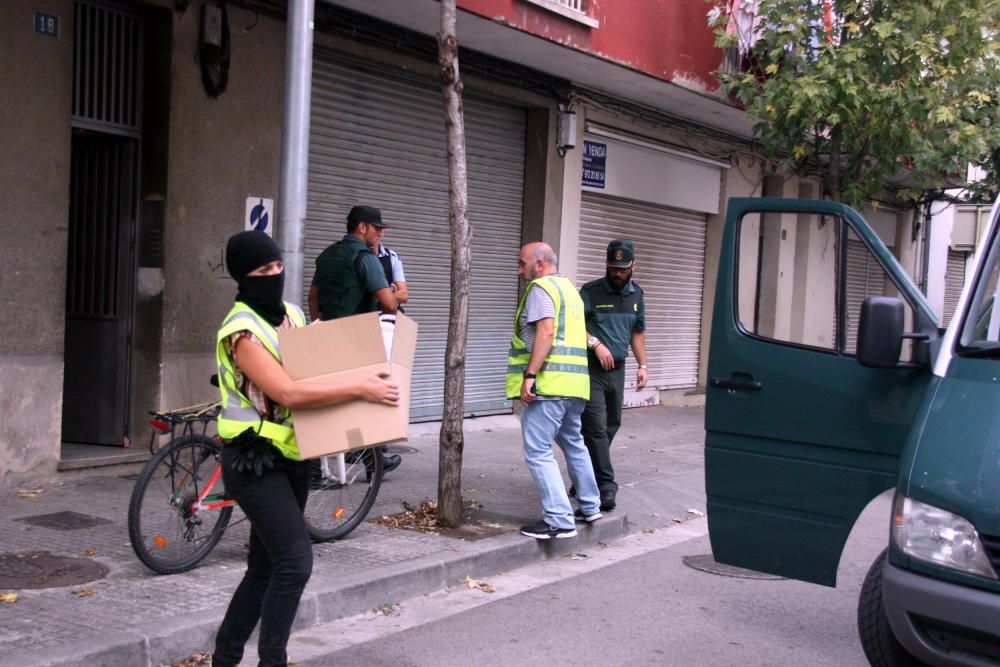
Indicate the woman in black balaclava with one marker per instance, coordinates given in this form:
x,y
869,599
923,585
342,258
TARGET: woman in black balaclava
x,y
261,465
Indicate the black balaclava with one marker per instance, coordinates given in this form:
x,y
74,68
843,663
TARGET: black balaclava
x,y
245,252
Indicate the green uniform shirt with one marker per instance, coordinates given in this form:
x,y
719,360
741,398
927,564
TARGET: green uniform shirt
x,y
367,269
613,316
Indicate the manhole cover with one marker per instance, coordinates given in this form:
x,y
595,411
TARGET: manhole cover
x,y
400,449
706,563
41,569
64,520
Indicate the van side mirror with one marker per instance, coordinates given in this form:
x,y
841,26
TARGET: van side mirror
x,y
880,332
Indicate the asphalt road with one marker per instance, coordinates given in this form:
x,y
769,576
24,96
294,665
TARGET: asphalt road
x,y
629,603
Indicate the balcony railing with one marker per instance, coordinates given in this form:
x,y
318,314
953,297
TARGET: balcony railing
x,y
575,10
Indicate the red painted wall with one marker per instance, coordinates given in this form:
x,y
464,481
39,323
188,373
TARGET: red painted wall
x,y
668,39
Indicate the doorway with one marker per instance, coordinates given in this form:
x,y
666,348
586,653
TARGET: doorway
x,y
99,288
104,178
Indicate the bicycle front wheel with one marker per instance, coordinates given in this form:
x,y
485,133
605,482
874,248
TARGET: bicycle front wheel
x,y
342,490
169,525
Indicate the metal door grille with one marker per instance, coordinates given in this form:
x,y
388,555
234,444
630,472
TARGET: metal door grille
x,y
99,205
107,67
670,267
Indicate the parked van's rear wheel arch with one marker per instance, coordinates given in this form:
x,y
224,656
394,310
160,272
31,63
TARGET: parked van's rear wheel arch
x,y
879,644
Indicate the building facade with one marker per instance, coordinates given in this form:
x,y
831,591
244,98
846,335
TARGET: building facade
x,y
141,135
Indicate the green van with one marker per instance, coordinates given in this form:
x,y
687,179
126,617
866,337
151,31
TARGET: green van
x,y
830,381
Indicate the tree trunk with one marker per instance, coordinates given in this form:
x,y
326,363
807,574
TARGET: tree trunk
x,y
452,439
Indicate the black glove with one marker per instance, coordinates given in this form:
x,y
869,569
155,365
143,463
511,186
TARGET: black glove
x,y
252,453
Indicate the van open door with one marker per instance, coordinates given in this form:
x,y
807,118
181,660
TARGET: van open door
x,y
800,437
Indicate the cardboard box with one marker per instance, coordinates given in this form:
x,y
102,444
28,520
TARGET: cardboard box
x,y
348,350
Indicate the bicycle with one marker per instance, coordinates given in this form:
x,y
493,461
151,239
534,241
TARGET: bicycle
x,y
179,508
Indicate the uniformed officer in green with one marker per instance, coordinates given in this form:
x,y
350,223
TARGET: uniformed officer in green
x,y
349,278
616,318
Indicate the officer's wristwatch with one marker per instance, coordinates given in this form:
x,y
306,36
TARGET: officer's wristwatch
x,y
529,376
592,342
643,366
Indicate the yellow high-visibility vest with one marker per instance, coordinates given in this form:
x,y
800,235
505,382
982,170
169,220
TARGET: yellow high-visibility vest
x,y
238,412
564,372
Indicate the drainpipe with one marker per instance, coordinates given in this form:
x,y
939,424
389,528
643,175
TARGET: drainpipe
x,y
295,144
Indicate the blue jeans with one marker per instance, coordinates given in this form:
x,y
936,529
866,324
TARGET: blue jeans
x,y
543,421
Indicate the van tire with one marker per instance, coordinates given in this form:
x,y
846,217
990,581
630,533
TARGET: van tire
x,y
877,640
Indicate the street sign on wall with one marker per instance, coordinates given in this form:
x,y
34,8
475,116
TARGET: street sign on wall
x,y
259,215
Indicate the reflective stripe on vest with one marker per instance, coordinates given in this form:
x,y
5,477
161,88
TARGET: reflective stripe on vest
x,y
238,412
564,371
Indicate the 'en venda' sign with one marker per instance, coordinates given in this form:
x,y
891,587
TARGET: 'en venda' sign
x,y
595,158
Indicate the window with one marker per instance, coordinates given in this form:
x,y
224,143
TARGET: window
x,y
981,330
802,280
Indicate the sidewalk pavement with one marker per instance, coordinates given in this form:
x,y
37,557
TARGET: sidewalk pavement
x,y
135,617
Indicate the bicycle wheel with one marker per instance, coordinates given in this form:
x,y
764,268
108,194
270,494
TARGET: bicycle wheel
x,y
342,490
167,532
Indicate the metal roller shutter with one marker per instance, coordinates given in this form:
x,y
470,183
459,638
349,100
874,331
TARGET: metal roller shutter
x,y
954,280
670,267
378,138
863,278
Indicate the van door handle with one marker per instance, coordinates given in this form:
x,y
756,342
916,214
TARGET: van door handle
x,y
734,383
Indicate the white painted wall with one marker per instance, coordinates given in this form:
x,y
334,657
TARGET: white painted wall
x,y
649,175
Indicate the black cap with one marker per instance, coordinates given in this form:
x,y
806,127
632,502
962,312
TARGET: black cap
x,y
368,214
621,253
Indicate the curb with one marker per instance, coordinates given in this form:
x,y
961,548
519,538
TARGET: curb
x,y
178,637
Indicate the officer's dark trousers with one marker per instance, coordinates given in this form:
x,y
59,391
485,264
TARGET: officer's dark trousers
x,y
278,565
601,419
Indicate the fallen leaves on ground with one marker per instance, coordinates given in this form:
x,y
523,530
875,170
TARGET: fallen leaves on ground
x,y
695,512
30,494
579,555
197,658
658,451
9,598
422,518
387,609
89,552
649,530
476,584
82,592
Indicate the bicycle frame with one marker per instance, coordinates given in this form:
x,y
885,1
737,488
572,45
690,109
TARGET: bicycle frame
x,y
216,500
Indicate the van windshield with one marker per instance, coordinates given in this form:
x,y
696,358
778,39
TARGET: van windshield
x,y
980,334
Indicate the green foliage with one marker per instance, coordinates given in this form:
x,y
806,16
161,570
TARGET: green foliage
x,y
894,100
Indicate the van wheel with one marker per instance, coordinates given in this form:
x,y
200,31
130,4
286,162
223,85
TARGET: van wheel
x,y
879,644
